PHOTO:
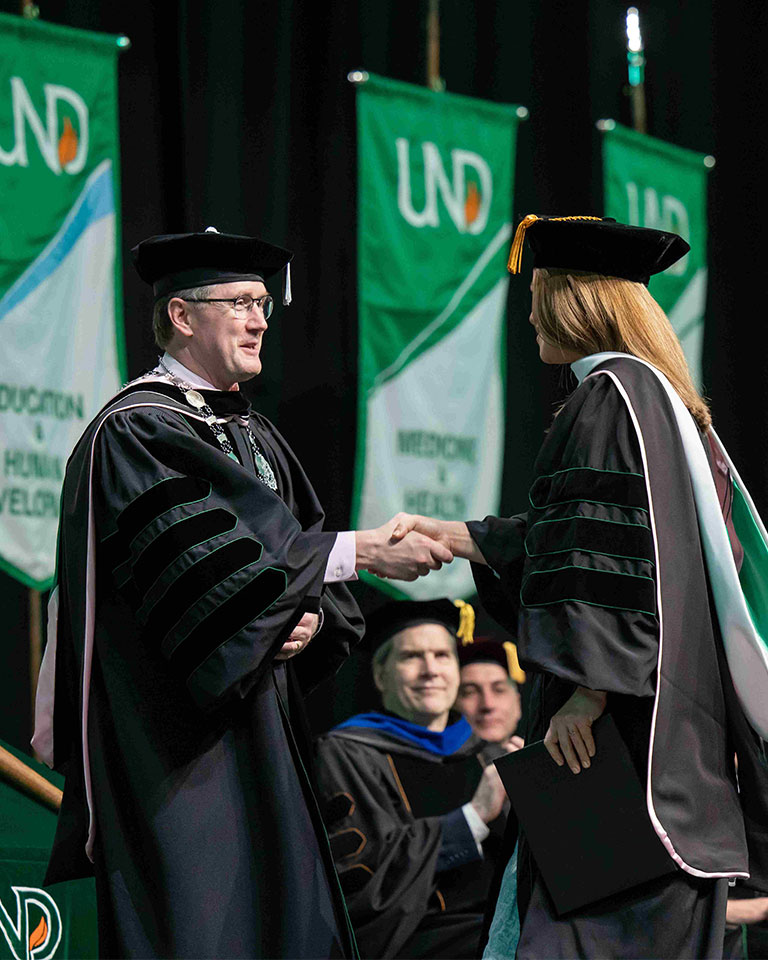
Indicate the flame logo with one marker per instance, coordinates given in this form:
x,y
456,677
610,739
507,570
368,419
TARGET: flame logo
x,y
67,144
472,203
40,933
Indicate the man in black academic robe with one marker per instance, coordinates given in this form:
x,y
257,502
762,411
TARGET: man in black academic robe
x,y
413,815
192,568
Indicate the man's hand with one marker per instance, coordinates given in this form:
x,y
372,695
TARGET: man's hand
x,y
452,534
569,737
406,559
752,910
490,795
514,744
299,637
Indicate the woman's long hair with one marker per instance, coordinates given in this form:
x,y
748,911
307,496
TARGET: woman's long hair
x,y
589,313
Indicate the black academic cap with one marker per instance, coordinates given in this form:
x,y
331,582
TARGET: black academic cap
x,y
455,615
596,245
491,650
177,261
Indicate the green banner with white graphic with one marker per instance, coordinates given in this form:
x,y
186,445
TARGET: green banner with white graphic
x,y
60,280
650,183
37,922
435,180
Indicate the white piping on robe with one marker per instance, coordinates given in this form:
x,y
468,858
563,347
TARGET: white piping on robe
x,y
702,491
746,654
44,703
42,741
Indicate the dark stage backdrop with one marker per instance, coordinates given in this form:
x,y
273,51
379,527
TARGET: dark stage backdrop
x,y
238,113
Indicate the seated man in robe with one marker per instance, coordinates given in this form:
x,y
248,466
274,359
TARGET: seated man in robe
x,y
407,800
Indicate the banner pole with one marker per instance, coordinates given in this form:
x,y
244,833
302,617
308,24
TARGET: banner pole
x,y
434,80
636,70
17,772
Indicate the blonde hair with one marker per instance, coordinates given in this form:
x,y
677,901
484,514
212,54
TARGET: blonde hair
x,y
590,313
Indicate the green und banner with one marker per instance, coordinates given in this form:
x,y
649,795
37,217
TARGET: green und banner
x,y
60,280
435,181
37,922
651,183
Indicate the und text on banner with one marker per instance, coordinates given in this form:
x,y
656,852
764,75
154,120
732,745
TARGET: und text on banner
x,y
435,180
60,281
651,183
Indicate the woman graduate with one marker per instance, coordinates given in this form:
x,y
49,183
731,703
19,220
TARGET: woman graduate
x,y
631,593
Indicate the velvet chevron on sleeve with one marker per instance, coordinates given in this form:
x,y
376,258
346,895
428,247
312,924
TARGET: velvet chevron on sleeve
x,y
215,565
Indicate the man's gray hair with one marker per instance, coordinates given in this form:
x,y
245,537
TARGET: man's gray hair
x,y
161,322
381,654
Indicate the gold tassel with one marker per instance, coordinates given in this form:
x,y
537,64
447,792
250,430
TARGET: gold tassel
x,y
466,631
513,664
516,251
559,219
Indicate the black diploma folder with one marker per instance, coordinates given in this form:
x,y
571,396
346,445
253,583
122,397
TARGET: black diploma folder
x,y
590,833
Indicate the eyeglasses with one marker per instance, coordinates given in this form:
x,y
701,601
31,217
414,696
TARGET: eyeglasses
x,y
243,304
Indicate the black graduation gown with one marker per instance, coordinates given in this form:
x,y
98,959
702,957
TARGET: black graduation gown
x,y
208,842
414,881
604,583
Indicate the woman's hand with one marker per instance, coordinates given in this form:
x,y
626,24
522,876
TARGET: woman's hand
x,y
569,737
434,529
452,534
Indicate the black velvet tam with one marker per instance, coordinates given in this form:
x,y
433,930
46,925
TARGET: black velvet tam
x,y
177,261
596,245
484,650
397,615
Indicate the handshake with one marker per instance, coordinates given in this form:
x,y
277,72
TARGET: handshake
x,y
408,546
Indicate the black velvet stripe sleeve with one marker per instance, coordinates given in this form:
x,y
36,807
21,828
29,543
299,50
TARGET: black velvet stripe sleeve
x,y
590,552
588,591
588,484
215,565
589,536
586,582
611,532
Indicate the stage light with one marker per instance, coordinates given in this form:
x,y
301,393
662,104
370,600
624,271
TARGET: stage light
x,y
634,37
